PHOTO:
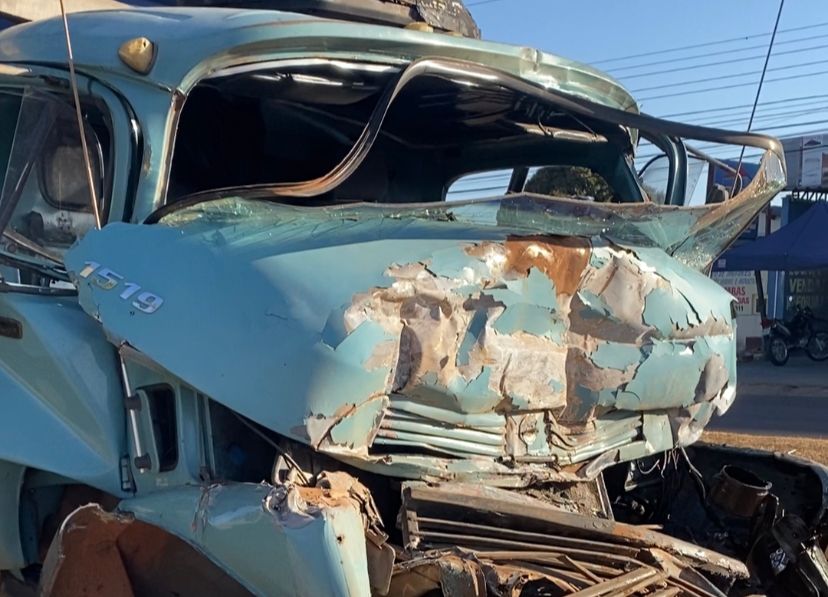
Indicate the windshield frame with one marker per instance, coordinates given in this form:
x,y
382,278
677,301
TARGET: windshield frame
x,y
719,226
668,135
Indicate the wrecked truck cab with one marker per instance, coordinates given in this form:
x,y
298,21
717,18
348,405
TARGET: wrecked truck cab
x,y
294,363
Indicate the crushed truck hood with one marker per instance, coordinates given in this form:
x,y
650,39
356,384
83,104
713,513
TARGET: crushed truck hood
x,y
471,341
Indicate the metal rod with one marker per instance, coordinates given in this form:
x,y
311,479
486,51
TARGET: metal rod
x,y
758,89
633,580
90,178
133,415
32,246
760,295
288,458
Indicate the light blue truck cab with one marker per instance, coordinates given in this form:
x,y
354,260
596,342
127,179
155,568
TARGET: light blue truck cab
x,y
297,358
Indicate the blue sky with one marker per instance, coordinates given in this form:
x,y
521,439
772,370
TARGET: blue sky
x,y
633,41
597,31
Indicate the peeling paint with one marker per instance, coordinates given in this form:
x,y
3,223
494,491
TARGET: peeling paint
x,y
552,341
248,527
613,355
645,364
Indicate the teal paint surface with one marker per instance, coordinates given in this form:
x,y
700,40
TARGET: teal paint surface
x,y
476,395
706,298
275,283
63,409
472,336
612,355
270,551
255,296
594,305
354,431
667,378
531,305
531,319
455,263
190,40
537,289
284,370
248,275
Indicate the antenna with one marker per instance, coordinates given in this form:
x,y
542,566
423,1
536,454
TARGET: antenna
x,y
90,178
758,92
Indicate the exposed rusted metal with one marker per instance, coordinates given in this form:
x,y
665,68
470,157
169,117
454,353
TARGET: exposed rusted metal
x,y
562,531
463,398
626,584
100,553
738,491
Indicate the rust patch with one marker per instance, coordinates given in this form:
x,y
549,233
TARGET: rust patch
x,y
102,553
586,331
321,497
87,543
562,259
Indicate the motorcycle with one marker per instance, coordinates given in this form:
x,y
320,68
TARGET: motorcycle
x,y
803,331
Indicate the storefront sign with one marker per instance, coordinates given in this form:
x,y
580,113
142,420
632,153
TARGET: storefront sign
x,y
742,285
809,289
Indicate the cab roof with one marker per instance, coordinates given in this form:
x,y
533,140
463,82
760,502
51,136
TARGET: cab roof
x,y
193,42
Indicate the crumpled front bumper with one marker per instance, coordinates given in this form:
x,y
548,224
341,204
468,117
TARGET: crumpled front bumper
x,y
325,540
325,536
269,540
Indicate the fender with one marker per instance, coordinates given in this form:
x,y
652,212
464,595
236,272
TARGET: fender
x,y
62,402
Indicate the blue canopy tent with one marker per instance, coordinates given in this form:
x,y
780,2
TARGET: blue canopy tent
x,y
799,245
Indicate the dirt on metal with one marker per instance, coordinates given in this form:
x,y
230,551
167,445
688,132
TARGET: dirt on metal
x,y
804,447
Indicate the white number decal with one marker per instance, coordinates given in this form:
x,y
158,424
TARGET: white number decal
x,y
105,278
130,289
88,268
148,302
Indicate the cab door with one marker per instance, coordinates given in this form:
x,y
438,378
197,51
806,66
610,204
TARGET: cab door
x,y
62,403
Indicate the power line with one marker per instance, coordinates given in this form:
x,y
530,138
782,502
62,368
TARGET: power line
x,y
786,100
477,189
721,62
759,88
718,148
727,76
720,88
764,118
765,111
727,153
706,44
616,71
721,152
482,176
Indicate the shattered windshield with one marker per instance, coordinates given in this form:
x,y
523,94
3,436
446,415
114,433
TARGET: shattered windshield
x,y
297,122
326,134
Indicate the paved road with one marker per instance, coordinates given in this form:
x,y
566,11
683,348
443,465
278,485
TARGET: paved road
x,y
799,372
776,411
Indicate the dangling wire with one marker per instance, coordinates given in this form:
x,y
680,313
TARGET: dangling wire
x,y
758,92
90,178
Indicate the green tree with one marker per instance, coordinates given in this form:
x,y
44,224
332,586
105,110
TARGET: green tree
x,y
569,181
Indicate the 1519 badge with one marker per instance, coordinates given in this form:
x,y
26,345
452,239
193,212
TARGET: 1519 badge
x,y
105,278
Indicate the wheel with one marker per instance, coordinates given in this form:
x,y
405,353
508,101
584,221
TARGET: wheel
x,y
778,351
817,348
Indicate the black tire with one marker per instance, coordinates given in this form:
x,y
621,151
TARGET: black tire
x,y
817,348
778,353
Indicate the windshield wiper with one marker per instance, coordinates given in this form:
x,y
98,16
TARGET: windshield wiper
x,y
56,273
32,246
